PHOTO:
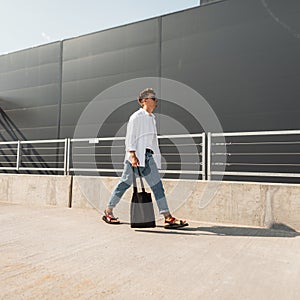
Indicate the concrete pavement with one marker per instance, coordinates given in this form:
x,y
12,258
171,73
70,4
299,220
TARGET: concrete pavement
x,y
62,253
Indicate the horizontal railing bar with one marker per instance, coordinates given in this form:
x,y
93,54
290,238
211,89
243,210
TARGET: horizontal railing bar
x,y
8,149
7,168
251,133
92,140
98,162
182,154
122,154
121,170
42,155
42,141
255,174
42,148
44,162
122,146
9,143
255,164
40,169
97,146
255,143
93,170
94,155
121,163
180,136
123,138
181,163
179,145
256,154
181,172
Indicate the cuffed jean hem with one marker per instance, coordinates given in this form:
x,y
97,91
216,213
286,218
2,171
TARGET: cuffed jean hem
x,y
162,206
163,212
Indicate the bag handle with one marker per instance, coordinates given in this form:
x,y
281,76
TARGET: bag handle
x,y
134,180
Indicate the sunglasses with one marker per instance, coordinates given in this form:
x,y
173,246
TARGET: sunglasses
x,y
152,98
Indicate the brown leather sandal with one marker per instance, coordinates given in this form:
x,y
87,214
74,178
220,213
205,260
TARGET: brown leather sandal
x,y
173,223
110,219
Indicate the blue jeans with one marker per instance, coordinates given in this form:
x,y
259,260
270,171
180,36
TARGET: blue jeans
x,y
151,175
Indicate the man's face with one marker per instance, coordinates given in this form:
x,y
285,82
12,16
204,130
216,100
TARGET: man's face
x,y
151,101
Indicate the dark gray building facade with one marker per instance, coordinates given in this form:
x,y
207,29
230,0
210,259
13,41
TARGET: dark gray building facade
x,y
242,56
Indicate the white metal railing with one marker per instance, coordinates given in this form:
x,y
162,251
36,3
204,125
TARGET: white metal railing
x,y
35,155
255,154
99,155
86,154
205,156
113,154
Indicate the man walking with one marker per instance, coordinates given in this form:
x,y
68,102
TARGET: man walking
x,y
142,151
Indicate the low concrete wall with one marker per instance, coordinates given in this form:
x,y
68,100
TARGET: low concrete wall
x,y
253,204
94,192
35,189
241,203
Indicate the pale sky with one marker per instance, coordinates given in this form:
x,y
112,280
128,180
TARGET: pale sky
x,y
29,23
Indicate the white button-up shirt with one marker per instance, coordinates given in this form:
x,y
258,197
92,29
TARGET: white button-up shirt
x,y
141,135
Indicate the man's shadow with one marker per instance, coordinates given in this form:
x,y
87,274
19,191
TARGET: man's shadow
x,y
275,230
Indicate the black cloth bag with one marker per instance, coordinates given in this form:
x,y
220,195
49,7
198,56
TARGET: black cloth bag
x,y
141,209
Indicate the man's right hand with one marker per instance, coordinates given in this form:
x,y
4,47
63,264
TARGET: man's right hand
x,y
134,160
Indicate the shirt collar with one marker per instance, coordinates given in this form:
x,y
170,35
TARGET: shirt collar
x,y
146,113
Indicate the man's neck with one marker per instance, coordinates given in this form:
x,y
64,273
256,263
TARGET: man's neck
x,y
148,109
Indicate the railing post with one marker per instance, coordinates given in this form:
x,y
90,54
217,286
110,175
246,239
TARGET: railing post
x,y
18,156
203,156
208,156
66,156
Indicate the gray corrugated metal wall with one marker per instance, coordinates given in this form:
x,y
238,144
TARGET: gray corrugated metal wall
x,y
30,90
241,55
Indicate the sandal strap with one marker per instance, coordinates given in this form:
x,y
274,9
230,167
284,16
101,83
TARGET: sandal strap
x,y
171,220
110,216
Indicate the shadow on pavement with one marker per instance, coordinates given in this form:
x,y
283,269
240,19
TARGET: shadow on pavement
x,y
276,230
